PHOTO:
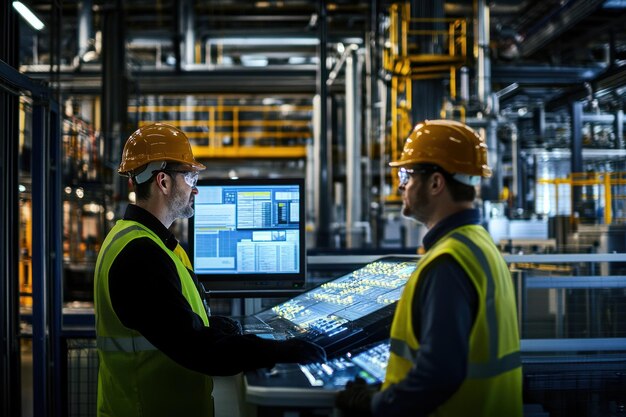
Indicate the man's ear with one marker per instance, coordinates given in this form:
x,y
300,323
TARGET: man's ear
x,y
437,183
162,183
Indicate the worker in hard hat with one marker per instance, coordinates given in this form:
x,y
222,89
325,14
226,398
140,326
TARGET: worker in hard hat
x,y
157,345
455,348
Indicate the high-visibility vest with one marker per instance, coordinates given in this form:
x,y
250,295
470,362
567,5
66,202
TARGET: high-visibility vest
x,y
180,252
493,383
135,378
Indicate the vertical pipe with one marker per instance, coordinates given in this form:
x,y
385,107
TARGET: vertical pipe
x,y
316,160
491,187
85,26
619,129
177,37
516,186
56,24
370,116
383,168
325,178
353,149
481,51
311,180
186,24
464,84
576,147
114,106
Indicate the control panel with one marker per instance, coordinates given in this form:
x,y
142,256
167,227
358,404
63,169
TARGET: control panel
x,y
368,363
353,310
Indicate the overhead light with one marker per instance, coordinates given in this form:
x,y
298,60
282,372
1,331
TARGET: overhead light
x,y
28,15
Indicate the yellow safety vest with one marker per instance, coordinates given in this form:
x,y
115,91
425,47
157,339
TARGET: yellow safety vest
x,y
135,378
493,385
180,252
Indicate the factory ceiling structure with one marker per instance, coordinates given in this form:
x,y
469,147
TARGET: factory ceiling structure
x,y
490,63
544,46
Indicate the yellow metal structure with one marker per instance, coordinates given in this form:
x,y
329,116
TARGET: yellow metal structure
x,y
238,131
405,62
608,187
403,56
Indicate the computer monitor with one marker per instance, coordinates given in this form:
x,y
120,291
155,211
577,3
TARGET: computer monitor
x,y
248,235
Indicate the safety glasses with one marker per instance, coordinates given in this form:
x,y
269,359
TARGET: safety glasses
x,y
190,177
405,173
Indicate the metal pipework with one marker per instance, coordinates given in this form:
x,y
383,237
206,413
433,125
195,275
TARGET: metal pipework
x,y
85,26
354,64
481,52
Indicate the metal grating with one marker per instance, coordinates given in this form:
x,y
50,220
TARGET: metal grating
x,y
82,377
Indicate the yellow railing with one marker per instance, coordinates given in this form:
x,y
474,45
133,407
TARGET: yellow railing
x,y
611,187
237,131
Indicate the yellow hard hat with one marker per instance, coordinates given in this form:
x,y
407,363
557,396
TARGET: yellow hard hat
x,y
449,144
156,142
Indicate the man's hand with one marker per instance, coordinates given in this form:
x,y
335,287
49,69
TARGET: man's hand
x,y
226,325
355,400
299,351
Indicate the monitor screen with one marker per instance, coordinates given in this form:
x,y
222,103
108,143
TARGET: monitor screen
x,y
248,234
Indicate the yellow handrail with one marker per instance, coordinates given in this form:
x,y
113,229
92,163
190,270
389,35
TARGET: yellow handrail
x,y
225,130
608,182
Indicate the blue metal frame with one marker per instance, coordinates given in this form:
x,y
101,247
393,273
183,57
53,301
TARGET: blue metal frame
x,y
40,273
10,375
46,241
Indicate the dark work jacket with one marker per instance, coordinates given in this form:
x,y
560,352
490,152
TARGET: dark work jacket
x,y
444,310
146,295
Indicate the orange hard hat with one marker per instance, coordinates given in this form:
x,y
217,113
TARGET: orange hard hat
x,y
449,144
156,142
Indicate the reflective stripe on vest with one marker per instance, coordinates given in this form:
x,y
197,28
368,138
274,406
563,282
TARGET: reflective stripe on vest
x,y
402,349
495,365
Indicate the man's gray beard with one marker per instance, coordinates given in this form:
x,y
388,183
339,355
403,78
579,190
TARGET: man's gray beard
x,y
187,213
184,210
